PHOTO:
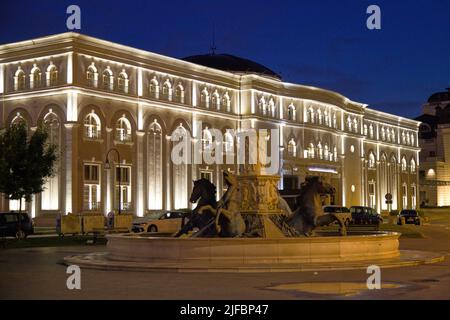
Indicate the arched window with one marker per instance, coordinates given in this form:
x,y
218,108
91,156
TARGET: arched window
x,y
319,116
292,148
35,77
154,88
263,106
92,75
155,166
92,126
215,99
52,75
291,112
179,93
229,143
50,195
371,160
122,81
204,98
108,79
349,124
18,118
123,129
272,108
311,151
167,90
207,139
19,79
320,150
413,166
310,115
404,165
226,101
180,172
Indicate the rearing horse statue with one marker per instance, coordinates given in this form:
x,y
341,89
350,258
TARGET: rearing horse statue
x,y
309,213
204,193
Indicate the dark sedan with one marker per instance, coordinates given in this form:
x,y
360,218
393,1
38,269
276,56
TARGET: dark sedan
x,y
409,216
9,226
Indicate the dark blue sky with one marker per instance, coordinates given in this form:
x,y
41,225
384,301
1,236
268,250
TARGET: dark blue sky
x,y
316,42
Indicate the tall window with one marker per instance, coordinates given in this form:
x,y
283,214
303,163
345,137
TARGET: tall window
x,y
92,76
326,152
92,126
366,131
292,148
263,106
291,112
349,124
52,75
412,139
167,90
319,116
154,88
320,150
108,79
207,139
372,201
371,130
226,101
371,160
179,93
155,166
123,130
215,100
50,195
91,193
229,142
311,151
123,192
404,165
19,79
355,125
383,134
180,184
35,77
272,108
334,121
310,115
122,81
326,118
404,196
413,196
204,98
413,166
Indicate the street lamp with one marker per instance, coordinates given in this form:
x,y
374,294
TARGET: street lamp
x,y
108,166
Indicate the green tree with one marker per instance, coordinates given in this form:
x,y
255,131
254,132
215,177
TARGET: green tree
x,y
25,162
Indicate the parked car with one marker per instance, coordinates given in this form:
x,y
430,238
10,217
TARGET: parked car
x,y
9,226
409,216
365,215
342,213
166,221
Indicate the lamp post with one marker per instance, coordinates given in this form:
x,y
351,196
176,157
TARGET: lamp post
x,y
108,166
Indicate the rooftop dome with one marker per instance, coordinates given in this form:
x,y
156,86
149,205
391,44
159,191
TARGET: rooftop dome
x,y
228,62
440,96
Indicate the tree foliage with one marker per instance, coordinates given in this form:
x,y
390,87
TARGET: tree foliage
x,y
25,162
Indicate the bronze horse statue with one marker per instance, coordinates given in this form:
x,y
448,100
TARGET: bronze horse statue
x,y
204,193
309,213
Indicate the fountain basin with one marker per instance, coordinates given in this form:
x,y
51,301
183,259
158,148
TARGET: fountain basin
x,y
150,252
253,251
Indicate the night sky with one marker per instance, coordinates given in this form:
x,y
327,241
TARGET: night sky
x,y
316,42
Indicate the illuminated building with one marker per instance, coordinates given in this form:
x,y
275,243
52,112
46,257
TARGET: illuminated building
x,y
96,95
434,139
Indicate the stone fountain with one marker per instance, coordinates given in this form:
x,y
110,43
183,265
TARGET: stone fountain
x,y
266,243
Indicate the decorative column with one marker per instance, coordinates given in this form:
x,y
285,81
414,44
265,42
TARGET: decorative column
x,y
139,208
70,164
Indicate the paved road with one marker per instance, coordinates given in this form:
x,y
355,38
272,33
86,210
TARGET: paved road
x,y
36,274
